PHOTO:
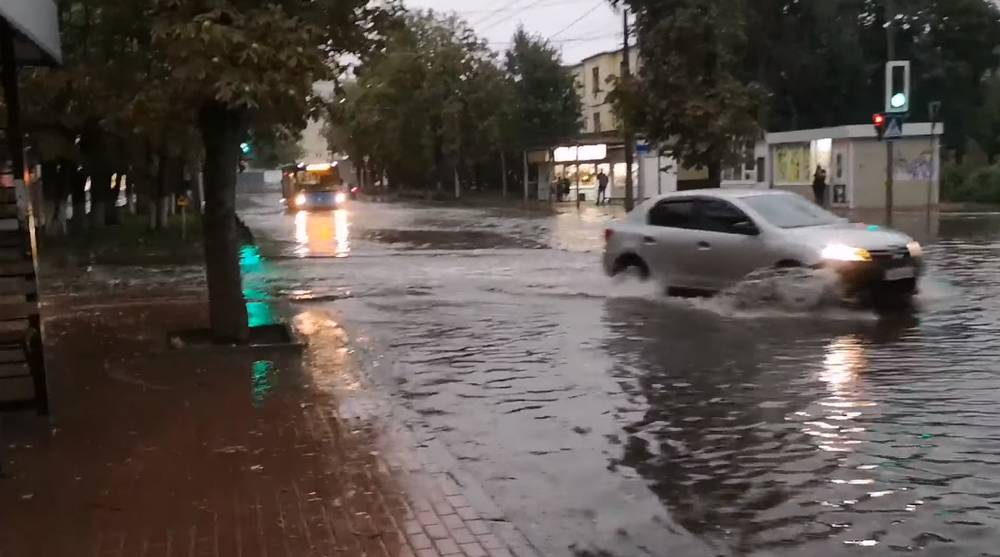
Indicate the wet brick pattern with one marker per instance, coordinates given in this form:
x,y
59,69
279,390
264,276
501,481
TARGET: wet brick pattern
x,y
157,453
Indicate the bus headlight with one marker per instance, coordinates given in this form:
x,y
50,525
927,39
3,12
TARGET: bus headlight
x,y
300,200
341,197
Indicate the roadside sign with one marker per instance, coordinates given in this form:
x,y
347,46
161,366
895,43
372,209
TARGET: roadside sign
x,y
183,201
894,130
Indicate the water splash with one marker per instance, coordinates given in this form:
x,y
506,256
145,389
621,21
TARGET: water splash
x,y
794,290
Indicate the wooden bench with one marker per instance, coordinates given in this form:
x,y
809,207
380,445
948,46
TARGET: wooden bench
x,y
22,362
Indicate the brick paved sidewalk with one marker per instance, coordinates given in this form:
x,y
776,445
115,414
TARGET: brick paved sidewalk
x,y
157,452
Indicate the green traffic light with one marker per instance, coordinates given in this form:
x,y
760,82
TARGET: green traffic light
x,y
246,148
898,100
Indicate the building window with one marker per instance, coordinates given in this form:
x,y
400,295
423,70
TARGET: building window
x,y
597,79
597,122
761,178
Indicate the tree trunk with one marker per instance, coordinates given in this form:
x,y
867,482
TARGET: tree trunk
x,y
715,174
503,173
113,218
50,195
78,184
94,148
221,129
162,195
67,173
100,192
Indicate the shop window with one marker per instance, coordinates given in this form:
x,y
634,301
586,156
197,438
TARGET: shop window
x,y
596,73
597,122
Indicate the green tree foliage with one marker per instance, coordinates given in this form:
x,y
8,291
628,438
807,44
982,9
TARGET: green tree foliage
x,y
822,62
810,57
238,62
106,53
166,83
986,129
545,106
690,96
435,101
818,63
432,103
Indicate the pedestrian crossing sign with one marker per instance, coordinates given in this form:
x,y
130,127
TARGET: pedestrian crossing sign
x,y
894,130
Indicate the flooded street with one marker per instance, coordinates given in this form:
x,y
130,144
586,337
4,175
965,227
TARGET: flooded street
x,y
606,419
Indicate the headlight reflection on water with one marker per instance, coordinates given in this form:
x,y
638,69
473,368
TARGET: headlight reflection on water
x,y
323,234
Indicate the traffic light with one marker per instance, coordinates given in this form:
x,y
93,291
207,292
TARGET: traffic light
x,y
897,87
246,148
879,121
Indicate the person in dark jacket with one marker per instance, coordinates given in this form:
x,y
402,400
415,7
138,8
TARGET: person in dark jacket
x,y
602,187
819,186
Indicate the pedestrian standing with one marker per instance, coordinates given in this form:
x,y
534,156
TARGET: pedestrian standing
x,y
602,187
819,186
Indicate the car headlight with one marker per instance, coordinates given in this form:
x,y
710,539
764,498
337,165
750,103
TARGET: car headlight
x,y
340,197
300,200
915,249
840,252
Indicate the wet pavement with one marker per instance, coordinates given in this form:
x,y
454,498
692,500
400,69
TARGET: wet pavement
x,y
606,419
176,451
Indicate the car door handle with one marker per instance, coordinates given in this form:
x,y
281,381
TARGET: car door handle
x,y
704,246
648,240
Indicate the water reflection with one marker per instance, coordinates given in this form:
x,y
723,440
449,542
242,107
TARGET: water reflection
x,y
263,374
254,274
835,429
323,233
757,434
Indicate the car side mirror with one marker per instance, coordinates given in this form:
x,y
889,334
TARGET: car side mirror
x,y
745,227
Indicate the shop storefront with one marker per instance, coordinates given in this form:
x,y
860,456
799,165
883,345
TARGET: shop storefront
x,y
855,163
580,165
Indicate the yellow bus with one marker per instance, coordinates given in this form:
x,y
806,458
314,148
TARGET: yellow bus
x,y
314,186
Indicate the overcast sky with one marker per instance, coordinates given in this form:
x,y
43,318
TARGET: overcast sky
x,y
578,28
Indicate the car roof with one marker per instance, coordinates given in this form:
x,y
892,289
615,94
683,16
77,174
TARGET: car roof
x,y
734,193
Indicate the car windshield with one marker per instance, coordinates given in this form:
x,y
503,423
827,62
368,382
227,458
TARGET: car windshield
x,y
790,211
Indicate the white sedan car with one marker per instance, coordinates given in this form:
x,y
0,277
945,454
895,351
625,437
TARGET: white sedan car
x,y
708,240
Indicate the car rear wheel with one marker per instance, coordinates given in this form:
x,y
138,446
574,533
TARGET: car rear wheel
x,y
631,264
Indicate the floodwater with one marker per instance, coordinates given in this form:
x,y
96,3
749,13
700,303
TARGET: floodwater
x,y
606,419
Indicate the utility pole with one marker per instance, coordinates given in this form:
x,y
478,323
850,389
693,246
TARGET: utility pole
x,y
503,172
890,35
525,160
626,128
934,111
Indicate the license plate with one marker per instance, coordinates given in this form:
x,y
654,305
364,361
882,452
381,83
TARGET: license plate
x,y
900,274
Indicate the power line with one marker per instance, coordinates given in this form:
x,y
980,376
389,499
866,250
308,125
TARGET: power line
x,y
515,14
497,11
544,5
569,40
577,20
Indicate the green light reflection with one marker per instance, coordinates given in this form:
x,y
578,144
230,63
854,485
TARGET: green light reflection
x,y
263,376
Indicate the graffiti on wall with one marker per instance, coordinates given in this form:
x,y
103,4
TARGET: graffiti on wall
x,y
919,168
791,164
